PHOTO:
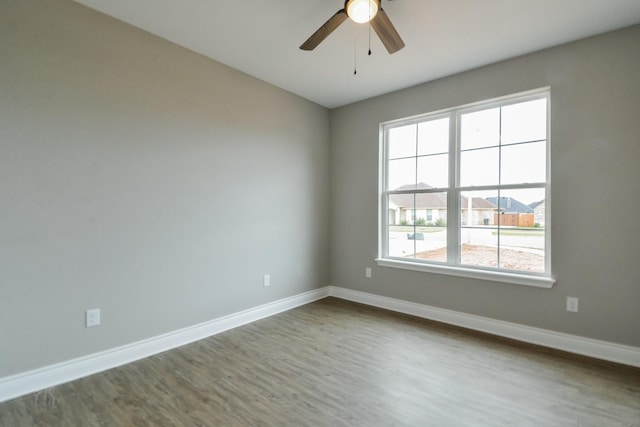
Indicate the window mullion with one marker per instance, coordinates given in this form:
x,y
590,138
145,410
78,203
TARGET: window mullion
x,y
499,183
453,195
383,219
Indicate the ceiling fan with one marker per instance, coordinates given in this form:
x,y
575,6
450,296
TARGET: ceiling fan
x,y
360,11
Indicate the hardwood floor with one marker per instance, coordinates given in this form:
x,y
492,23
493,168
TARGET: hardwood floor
x,y
336,363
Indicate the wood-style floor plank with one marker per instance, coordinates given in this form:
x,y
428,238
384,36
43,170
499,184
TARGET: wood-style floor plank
x,y
336,363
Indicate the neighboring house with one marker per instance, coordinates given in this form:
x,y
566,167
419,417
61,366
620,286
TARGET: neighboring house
x,y
432,208
512,212
482,211
538,212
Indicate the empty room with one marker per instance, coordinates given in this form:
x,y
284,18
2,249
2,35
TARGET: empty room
x,y
319,213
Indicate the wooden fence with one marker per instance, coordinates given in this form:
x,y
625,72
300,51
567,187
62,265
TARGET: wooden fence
x,y
515,220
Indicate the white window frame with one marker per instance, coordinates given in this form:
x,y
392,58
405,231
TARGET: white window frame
x,y
542,280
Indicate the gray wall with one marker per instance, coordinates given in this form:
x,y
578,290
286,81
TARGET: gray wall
x,y
158,185
595,174
146,180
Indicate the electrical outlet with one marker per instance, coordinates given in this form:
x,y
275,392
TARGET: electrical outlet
x,y
92,318
367,272
266,280
572,304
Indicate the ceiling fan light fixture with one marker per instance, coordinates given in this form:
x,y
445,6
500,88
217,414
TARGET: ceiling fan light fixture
x,y
362,11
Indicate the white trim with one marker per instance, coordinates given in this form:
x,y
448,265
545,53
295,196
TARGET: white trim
x,y
603,350
49,376
471,273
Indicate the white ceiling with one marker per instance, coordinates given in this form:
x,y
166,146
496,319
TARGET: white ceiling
x,y
443,37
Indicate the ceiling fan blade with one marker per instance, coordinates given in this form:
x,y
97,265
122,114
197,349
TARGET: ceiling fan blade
x,y
387,32
324,31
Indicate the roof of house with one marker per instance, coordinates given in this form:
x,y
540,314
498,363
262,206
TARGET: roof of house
x,y
477,203
510,205
433,200
422,200
536,204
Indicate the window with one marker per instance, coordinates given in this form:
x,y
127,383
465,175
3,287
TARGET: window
x,y
463,191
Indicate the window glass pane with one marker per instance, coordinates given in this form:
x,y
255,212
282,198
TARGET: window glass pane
x,y
526,121
433,170
480,129
520,258
401,225
483,208
433,137
422,230
478,233
479,167
479,247
522,237
524,163
402,142
434,204
402,174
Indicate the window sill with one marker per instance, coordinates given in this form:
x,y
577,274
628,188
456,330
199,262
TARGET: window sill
x,y
494,276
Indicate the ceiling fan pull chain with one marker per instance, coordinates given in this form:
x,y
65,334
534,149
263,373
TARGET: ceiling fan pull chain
x,y
369,39
355,56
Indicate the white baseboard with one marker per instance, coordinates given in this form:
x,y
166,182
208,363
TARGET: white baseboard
x,y
49,376
603,350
